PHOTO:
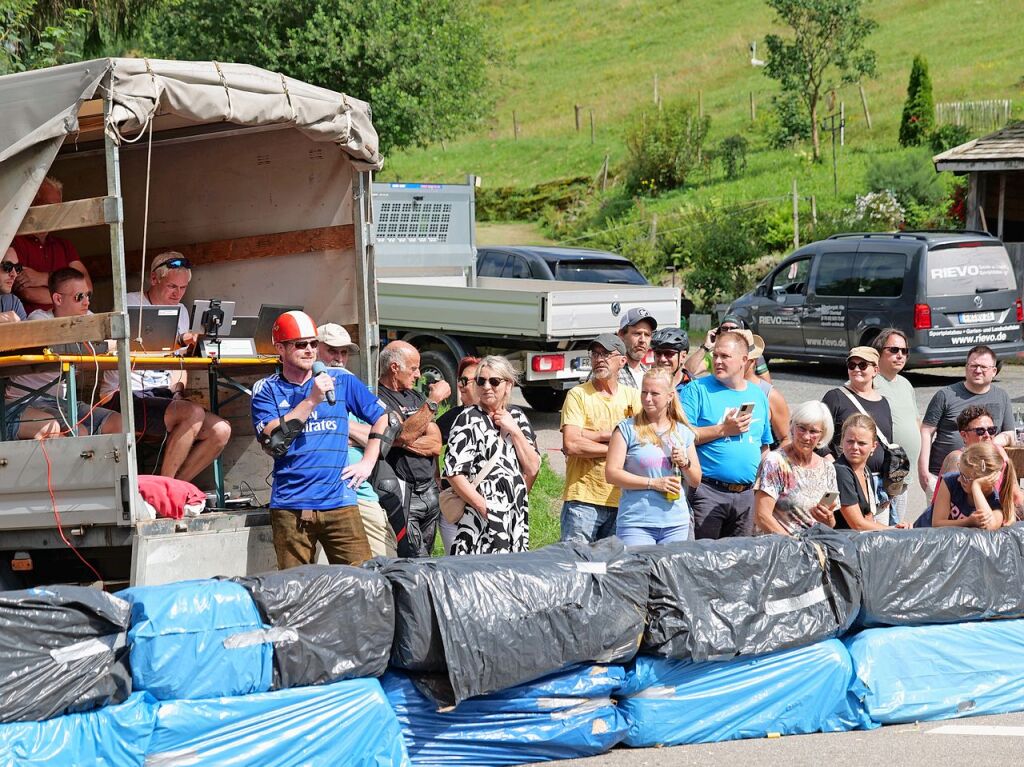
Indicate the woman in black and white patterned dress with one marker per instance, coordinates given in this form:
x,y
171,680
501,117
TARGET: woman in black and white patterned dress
x,y
496,517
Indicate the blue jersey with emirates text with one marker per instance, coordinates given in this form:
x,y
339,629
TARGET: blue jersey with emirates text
x,y
308,476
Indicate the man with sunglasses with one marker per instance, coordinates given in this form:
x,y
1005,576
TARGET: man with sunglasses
x,y
43,253
11,308
69,296
893,348
302,421
670,346
939,432
413,454
975,425
191,437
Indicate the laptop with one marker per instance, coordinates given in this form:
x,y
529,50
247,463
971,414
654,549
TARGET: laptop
x,y
157,332
265,326
240,341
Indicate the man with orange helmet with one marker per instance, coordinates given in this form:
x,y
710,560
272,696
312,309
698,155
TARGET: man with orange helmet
x,y
301,419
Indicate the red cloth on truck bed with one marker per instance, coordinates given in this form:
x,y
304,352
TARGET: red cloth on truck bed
x,y
169,496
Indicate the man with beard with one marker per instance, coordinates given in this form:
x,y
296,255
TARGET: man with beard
x,y
589,417
635,330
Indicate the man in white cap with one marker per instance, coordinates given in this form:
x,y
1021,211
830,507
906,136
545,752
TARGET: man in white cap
x,y
335,345
635,329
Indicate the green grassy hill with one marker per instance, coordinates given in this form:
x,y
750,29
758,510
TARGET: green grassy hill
x,y
604,54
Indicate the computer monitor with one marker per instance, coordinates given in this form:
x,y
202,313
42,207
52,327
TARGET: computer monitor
x,y
202,317
153,328
265,326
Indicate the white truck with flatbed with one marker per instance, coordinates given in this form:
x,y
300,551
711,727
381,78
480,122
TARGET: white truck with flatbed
x,y
430,295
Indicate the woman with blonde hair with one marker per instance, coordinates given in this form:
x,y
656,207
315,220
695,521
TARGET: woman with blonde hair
x,y
981,494
795,487
648,456
497,435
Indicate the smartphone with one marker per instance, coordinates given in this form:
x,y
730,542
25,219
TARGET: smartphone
x,y
828,499
746,408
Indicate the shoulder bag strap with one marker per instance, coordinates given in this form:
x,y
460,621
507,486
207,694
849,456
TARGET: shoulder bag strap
x,y
856,404
486,468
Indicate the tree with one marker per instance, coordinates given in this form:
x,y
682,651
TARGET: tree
x,y
424,65
30,39
918,119
829,42
663,145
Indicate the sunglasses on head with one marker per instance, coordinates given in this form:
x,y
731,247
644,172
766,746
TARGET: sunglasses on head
x,y
177,263
10,266
857,364
981,431
895,349
303,344
464,380
494,382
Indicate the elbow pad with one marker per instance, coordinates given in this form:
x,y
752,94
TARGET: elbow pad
x,y
276,443
391,431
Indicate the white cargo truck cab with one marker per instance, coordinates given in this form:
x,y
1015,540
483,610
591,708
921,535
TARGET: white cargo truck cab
x,y
430,295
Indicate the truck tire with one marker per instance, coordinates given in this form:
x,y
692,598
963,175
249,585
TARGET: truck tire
x,y
543,399
441,364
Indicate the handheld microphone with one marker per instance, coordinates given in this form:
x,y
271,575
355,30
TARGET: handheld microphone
x,y
318,368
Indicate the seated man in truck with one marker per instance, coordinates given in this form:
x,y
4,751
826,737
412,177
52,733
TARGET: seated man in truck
x,y
43,253
192,437
46,413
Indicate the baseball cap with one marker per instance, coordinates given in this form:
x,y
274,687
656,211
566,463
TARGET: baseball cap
x,y
635,315
335,335
609,342
732,319
865,353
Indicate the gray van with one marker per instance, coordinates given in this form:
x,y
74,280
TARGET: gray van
x,y
946,290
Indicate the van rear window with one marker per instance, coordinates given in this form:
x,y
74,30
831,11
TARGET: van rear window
x,y
966,271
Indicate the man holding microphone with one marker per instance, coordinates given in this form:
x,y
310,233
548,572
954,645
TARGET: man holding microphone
x,y
300,416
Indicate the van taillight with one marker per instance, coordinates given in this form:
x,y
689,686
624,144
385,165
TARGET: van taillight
x,y
548,363
922,317
1020,311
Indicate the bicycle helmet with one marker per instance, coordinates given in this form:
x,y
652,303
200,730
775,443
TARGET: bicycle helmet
x,y
671,338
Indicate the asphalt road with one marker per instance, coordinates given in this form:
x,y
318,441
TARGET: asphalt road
x,y
999,742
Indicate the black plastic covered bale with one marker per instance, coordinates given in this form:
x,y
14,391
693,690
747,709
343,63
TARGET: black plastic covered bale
x,y
328,622
714,600
941,575
499,620
62,650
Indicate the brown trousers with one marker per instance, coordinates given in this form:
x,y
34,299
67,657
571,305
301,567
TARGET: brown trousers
x,y
339,531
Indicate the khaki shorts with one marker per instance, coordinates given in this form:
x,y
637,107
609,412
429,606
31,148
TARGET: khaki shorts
x,y
378,532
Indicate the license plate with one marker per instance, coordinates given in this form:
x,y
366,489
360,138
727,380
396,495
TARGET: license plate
x,y
581,363
969,318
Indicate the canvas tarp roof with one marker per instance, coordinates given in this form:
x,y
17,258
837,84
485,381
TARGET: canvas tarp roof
x,y
41,108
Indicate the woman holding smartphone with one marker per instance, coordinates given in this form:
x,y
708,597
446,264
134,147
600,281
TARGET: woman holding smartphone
x,y
648,457
795,487
859,504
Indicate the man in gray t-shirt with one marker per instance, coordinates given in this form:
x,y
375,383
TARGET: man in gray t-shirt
x,y
940,418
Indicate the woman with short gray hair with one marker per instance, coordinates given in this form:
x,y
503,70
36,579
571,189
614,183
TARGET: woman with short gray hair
x,y
495,515
795,487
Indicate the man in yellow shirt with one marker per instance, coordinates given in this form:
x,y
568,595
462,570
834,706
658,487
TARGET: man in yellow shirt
x,y
589,416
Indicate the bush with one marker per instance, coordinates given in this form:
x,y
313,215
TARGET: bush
x,y
733,154
918,119
509,203
881,208
948,136
909,174
663,148
788,121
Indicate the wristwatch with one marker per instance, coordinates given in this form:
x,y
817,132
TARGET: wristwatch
x,y
431,406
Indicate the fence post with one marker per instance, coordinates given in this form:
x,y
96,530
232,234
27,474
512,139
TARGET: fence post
x,y
814,213
576,114
657,100
515,125
842,123
700,103
864,103
591,127
753,108
796,217
653,236
604,174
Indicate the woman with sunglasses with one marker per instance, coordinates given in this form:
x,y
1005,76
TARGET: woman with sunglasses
x,y
496,516
648,456
861,505
982,494
11,308
858,396
465,385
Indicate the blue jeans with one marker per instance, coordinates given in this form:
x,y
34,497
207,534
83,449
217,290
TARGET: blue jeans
x,y
648,536
587,522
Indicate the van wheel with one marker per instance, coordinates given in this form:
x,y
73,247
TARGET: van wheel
x,y
543,399
443,366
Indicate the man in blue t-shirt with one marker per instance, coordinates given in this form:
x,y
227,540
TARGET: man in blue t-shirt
x,y
730,417
313,499
11,308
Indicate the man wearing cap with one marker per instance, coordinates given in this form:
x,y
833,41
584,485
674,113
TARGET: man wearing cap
x,y
730,418
192,438
699,362
335,345
302,421
635,329
589,416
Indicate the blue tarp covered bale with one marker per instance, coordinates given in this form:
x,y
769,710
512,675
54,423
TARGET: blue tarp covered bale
x,y
115,736
919,673
804,690
562,716
346,723
63,650
197,639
